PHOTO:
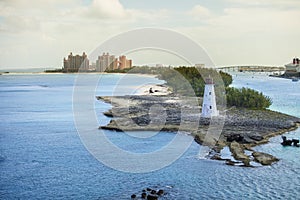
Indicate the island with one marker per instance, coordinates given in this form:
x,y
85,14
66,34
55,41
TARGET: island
x,y
242,127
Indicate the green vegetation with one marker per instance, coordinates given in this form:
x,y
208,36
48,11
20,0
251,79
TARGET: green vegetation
x,y
138,70
188,81
247,98
119,70
181,78
53,71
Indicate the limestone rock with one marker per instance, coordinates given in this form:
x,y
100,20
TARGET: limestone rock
x,y
237,151
152,197
264,158
255,136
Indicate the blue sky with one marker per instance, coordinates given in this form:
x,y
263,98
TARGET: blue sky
x,y
233,32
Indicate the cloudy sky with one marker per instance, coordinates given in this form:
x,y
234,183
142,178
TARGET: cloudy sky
x,y
39,33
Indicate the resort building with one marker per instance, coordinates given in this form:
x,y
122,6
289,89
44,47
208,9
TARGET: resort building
x,y
74,63
106,62
109,62
124,63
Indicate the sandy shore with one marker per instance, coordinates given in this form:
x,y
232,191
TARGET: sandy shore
x,y
154,90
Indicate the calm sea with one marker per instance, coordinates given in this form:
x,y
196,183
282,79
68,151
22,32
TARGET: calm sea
x,y
42,156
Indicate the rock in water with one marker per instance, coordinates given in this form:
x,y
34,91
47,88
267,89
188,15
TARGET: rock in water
x,y
144,195
295,142
264,158
286,142
152,197
160,192
153,192
237,151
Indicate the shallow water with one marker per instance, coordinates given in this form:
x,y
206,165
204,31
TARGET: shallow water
x,y
42,156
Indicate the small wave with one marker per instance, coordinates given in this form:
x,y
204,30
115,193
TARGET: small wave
x,y
45,86
2,158
24,88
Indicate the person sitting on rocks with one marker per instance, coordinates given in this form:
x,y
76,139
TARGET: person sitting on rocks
x,y
151,91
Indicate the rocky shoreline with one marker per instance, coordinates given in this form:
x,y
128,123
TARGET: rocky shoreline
x,y
237,128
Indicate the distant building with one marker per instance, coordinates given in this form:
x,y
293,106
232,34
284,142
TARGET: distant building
x,y
92,67
199,65
109,62
124,63
76,63
293,68
106,61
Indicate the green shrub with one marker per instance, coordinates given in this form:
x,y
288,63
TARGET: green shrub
x,y
247,98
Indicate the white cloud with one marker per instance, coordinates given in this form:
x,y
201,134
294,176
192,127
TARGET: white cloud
x,y
17,24
49,30
200,12
244,31
34,4
107,9
291,4
249,35
257,20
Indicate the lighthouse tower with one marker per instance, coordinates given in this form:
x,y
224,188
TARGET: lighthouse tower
x,y
209,107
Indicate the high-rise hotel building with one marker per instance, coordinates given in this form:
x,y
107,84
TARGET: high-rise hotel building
x,y
76,63
110,62
124,63
106,62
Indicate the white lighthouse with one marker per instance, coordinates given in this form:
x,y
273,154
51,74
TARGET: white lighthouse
x,y
209,106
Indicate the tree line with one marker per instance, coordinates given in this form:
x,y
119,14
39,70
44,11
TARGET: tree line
x,y
190,81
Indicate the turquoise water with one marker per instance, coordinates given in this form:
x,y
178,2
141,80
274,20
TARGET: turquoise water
x,y
42,156
285,95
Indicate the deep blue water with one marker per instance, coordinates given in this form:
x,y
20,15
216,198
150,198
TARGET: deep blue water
x,y
42,156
